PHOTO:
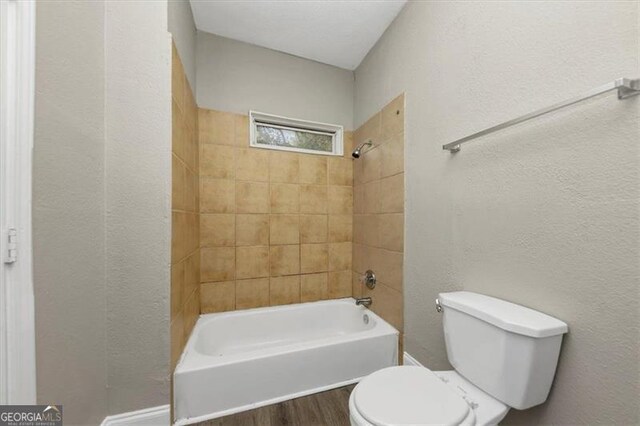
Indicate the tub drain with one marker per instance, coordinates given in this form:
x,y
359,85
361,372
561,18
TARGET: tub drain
x,y
365,318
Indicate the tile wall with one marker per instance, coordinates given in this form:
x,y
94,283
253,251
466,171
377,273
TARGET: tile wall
x,y
275,227
185,222
378,220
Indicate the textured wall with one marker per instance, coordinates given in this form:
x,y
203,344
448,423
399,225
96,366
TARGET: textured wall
x,y
185,218
544,214
276,227
68,210
183,30
238,77
138,202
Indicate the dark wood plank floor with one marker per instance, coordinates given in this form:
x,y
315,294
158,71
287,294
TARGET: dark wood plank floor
x,y
330,408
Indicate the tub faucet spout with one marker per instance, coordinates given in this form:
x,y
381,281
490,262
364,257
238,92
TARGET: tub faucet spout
x,y
364,301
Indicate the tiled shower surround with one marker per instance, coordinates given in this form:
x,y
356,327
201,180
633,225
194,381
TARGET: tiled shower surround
x,y
255,227
378,224
185,251
275,227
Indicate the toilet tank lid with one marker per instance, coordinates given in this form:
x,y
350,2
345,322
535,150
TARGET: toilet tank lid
x,y
505,315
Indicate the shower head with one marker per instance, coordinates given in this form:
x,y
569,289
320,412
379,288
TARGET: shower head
x,y
356,152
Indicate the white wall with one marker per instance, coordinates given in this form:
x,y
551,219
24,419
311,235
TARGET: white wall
x,y
138,191
544,214
183,29
69,210
101,206
238,77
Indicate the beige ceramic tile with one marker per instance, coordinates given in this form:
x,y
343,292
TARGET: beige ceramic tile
x,y
340,171
340,228
371,224
283,167
392,156
391,231
178,132
179,232
358,171
393,117
371,197
392,194
361,258
251,164
285,290
191,110
313,228
177,338
285,260
313,169
177,283
388,267
216,127
284,229
285,198
217,161
340,256
190,147
358,199
178,183
371,130
191,192
371,164
252,197
191,313
348,144
252,262
313,287
252,230
387,303
340,199
191,276
314,258
217,263
217,195
177,78
252,293
313,199
217,230
356,291
241,130
339,284
217,297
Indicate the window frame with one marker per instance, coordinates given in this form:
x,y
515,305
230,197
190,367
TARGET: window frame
x,y
260,118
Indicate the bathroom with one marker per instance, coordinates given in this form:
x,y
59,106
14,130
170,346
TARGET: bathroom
x,y
181,261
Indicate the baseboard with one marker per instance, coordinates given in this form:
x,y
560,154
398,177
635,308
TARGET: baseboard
x,y
154,416
409,360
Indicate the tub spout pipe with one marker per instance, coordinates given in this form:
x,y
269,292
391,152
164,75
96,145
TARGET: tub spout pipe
x,y
364,301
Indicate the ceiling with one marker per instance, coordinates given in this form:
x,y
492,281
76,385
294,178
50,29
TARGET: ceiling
x,y
335,32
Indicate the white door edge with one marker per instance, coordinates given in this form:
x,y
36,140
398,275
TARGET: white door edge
x,y
17,319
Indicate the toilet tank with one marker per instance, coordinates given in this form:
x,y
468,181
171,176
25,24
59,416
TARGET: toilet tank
x,y
507,350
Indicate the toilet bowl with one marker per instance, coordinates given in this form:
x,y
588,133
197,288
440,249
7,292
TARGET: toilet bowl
x,y
504,356
418,396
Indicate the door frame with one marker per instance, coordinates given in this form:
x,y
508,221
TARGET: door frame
x,y
17,102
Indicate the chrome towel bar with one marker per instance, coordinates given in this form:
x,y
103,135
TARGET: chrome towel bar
x,y
626,88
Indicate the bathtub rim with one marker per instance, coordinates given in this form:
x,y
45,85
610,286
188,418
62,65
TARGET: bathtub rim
x,y
192,360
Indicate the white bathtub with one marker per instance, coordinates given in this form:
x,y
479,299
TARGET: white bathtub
x,y
240,360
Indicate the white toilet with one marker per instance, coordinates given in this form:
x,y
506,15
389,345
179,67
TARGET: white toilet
x,y
504,356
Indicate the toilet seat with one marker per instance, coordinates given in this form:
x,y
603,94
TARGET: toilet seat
x,y
407,396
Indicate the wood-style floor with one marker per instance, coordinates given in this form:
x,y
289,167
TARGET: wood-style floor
x,y
330,408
